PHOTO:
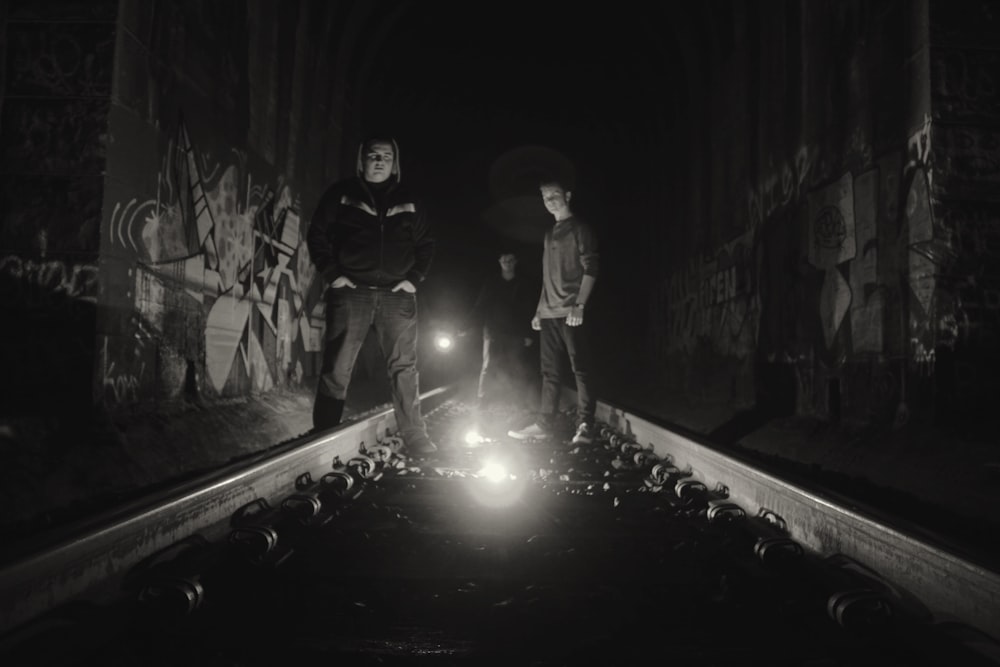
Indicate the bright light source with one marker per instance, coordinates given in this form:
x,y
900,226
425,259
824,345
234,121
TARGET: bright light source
x,y
444,342
497,483
473,438
494,472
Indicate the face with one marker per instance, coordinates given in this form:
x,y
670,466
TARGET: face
x,y
378,160
508,262
556,200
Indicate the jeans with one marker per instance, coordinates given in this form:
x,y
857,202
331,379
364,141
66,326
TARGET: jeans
x,y
350,314
504,369
560,341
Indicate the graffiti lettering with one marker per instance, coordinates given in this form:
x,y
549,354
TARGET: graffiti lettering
x,y
781,187
709,300
36,282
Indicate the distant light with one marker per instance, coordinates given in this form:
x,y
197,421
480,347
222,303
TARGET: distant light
x,y
473,438
444,342
495,472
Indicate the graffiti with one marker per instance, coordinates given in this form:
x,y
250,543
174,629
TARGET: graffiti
x,y
56,136
38,283
712,299
964,83
779,188
120,388
867,305
830,228
236,247
832,242
923,357
61,59
719,287
919,148
970,154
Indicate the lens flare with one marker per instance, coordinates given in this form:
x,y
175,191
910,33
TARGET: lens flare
x,y
444,342
473,438
495,472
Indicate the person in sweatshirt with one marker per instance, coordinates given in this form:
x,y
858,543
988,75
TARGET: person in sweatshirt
x,y
569,272
370,242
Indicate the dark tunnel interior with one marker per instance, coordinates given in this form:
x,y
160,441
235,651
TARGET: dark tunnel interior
x,y
795,204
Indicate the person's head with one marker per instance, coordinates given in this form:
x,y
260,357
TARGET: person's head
x,y
508,262
378,160
556,198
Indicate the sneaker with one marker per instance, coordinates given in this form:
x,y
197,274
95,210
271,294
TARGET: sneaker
x,y
583,435
421,447
533,432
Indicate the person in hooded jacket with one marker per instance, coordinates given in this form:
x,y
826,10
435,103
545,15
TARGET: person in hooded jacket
x,y
370,242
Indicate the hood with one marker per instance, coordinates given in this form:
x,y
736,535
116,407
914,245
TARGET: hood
x,y
360,168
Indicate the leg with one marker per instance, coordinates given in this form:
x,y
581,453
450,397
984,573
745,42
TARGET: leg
x,y
551,350
396,327
580,352
487,360
348,317
507,373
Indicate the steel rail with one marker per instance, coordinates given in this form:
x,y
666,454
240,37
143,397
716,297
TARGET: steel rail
x,y
96,557
949,583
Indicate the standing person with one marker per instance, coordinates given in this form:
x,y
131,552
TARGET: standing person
x,y
370,242
569,271
502,308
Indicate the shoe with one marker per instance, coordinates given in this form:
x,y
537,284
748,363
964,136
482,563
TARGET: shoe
x,y
421,447
583,435
533,432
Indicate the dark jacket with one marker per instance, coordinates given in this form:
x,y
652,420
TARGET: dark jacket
x,y
374,241
504,307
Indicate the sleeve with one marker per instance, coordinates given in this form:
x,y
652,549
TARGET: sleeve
x,y
320,239
586,241
478,313
423,244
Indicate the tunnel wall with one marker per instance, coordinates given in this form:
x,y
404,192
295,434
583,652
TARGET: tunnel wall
x,y
965,248
832,220
182,145
55,92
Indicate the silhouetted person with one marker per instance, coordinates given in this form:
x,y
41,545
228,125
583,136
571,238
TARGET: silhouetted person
x,y
369,240
569,271
503,308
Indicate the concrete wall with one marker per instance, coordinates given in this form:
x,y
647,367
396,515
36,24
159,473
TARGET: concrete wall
x,y
57,65
813,227
158,158
964,315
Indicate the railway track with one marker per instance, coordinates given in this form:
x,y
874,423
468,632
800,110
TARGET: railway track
x,y
645,543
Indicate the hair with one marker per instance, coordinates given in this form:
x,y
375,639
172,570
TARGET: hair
x,y
560,183
371,139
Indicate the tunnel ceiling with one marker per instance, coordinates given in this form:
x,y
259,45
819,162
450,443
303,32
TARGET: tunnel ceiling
x,y
537,67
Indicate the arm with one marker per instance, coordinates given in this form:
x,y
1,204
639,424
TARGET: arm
x,y
423,248
587,247
320,238
536,321
575,317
